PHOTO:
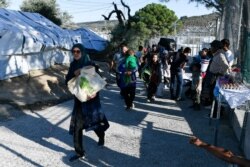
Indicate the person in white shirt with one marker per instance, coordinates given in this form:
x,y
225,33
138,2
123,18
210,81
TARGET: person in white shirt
x,y
228,53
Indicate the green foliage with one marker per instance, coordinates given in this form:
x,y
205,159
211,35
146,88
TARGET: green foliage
x,y
4,3
156,18
217,4
47,8
66,19
150,21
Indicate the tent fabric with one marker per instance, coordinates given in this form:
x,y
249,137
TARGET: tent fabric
x,y
29,41
91,40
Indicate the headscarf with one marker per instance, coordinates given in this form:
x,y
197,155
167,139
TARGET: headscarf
x,y
84,60
77,64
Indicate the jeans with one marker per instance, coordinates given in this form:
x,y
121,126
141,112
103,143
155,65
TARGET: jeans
x,y
179,76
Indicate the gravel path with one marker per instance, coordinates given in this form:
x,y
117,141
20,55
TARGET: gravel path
x,y
153,134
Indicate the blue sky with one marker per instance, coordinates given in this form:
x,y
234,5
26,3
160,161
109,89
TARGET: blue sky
x,y
91,10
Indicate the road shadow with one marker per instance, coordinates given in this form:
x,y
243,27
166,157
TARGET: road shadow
x,y
153,134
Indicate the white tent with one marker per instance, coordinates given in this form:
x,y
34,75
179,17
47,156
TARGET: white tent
x,y
29,41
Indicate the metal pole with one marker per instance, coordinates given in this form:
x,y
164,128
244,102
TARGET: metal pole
x,y
217,121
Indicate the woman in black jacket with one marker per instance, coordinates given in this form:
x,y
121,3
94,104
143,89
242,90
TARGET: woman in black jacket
x,y
155,77
86,115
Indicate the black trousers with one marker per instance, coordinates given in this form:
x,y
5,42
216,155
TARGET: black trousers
x,y
78,133
129,95
152,88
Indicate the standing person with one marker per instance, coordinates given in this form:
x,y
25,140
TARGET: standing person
x,y
196,85
141,67
139,54
202,59
129,78
228,53
176,71
202,55
85,115
155,77
118,59
218,67
151,52
163,55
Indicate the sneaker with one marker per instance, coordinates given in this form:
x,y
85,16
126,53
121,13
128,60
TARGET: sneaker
x,y
153,98
76,157
148,100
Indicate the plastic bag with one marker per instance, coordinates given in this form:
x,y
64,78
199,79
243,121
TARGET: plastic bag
x,y
87,84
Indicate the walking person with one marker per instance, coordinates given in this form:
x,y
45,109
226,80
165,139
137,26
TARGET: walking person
x,y
155,78
118,60
176,71
86,115
131,66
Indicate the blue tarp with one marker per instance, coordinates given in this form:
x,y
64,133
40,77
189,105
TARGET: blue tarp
x,y
91,40
30,41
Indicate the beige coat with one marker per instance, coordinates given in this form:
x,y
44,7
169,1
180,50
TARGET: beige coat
x,y
219,64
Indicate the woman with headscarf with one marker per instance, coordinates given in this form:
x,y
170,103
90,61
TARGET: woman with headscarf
x,y
84,113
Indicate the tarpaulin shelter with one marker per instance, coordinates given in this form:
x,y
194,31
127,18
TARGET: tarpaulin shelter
x,y
91,41
30,41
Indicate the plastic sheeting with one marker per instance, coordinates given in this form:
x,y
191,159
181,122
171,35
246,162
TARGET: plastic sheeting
x,y
29,41
91,40
234,98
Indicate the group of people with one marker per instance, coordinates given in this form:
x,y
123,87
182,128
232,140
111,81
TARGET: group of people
x,y
126,63
155,66
158,66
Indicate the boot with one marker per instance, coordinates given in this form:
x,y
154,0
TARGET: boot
x,y
101,139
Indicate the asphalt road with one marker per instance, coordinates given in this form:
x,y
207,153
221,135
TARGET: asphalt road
x,y
152,134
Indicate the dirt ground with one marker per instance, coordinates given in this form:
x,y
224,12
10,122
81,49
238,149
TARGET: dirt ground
x,y
37,90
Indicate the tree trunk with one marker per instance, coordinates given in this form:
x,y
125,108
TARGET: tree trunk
x,y
246,42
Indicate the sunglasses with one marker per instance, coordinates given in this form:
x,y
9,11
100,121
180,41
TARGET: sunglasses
x,y
76,51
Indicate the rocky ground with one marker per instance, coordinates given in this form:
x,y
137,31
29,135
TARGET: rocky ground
x,y
37,90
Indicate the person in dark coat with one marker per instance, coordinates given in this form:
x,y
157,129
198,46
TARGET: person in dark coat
x,y
86,115
176,71
155,77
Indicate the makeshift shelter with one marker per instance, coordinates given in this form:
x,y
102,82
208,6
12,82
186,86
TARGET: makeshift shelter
x,y
30,41
91,41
